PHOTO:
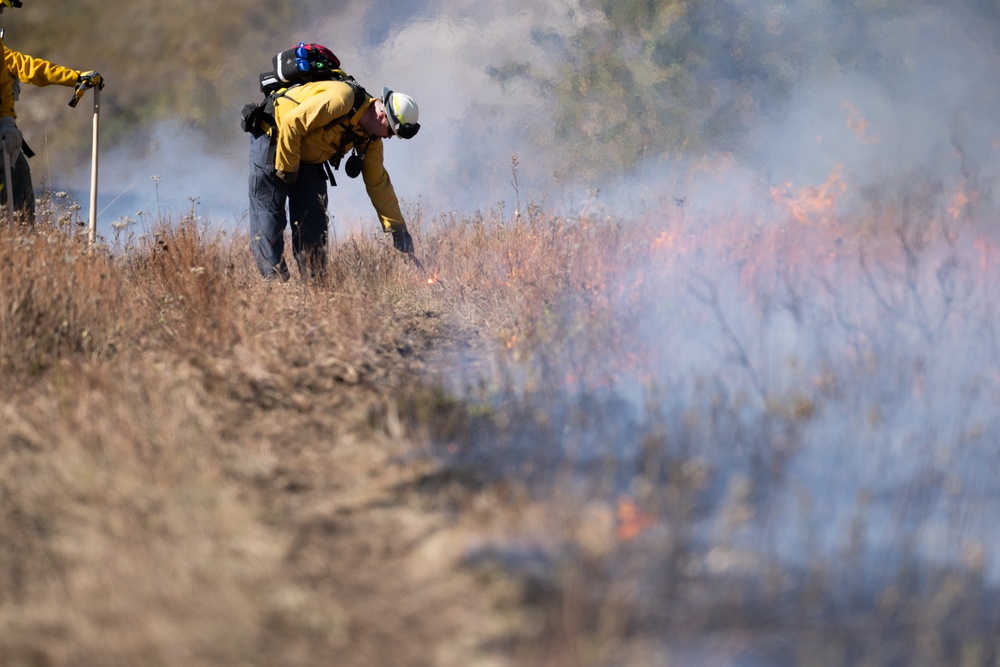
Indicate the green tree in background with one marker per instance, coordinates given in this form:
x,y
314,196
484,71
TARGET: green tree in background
x,y
668,77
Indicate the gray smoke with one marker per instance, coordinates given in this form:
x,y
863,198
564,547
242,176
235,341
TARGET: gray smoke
x,y
902,95
827,308
441,53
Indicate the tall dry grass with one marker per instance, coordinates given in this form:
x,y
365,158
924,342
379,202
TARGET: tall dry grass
x,y
142,393
558,441
150,389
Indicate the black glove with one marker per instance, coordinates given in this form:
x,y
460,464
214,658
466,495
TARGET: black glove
x,y
402,241
288,176
90,80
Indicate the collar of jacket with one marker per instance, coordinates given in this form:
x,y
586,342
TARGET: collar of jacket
x,y
355,119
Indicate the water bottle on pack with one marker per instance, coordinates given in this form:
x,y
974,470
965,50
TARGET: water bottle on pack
x,y
301,64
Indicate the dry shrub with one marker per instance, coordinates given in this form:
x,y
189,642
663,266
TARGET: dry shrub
x,y
57,300
185,282
133,530
364,264
554,293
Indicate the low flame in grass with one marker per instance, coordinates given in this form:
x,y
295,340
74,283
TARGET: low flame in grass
x,y
632,521
812,203
664,240
960,201
984,253
433,278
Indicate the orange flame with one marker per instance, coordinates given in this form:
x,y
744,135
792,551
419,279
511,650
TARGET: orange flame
x,y
664,240
631,520
959,201
858,124
810,202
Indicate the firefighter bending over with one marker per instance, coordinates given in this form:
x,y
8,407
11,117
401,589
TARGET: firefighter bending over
x,y
306,131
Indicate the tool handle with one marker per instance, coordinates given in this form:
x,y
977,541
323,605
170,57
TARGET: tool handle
x,y
92,226
8,186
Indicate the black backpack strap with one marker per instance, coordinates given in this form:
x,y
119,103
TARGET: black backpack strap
x,y
328,170
267,111
349,136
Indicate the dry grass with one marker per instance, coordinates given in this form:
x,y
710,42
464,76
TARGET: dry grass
x,y
505,455
147,397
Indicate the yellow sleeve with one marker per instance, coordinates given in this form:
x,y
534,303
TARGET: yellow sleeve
x,y
39,72
318,104
6,88
380,189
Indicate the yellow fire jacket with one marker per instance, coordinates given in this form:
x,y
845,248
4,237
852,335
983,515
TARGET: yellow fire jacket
x,y
315,124
31,70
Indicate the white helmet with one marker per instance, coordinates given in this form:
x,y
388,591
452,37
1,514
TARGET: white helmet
x,y
402,113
